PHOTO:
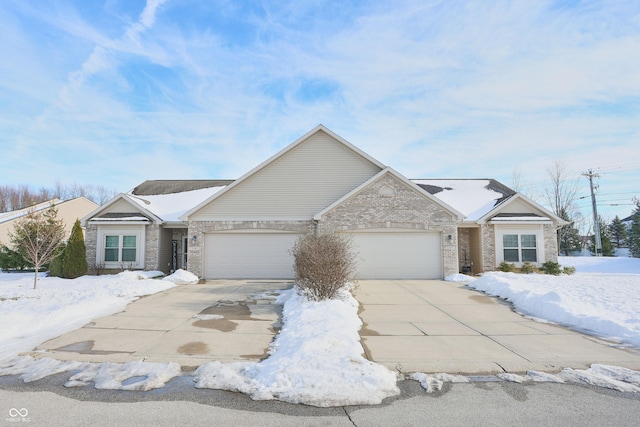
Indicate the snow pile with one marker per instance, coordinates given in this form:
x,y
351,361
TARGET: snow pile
x,y
182,276
606,305
31,316
132,376
434,382
613,377
458,277
31,369
316,359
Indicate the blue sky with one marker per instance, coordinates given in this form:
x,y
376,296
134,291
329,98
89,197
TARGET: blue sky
x,y
115,92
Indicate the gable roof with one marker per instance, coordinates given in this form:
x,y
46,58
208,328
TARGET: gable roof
x,y
397,175
474,198
278,155
546,215
160,201
17,213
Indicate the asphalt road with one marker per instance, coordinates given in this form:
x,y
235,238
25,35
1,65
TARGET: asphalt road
x,y
482,403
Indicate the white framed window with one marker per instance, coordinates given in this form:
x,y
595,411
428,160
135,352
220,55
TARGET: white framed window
x,y
121,246
520,248
518,244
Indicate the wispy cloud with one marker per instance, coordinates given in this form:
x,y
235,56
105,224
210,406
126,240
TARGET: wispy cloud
x,y
195,89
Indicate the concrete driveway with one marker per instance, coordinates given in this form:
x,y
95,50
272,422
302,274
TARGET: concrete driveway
x,y
224,320
437,326
409,325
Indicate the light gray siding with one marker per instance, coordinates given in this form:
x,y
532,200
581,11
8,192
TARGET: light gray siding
x,y
296,185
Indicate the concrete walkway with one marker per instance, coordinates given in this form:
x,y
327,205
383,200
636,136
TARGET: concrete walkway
x,y
419,325
437,326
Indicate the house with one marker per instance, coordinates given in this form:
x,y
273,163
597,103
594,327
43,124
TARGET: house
x,y
245,228
68,211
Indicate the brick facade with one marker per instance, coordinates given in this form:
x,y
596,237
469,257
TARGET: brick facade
x,y
390,203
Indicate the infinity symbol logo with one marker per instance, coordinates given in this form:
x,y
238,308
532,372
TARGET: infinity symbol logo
x,y
13,412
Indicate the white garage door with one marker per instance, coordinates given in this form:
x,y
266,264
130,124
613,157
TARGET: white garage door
x,y
249,255
398,255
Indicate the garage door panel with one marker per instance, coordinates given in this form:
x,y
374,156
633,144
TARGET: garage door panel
x,y
249,255
390,255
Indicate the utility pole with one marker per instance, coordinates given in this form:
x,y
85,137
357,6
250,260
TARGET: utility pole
x,y
596,223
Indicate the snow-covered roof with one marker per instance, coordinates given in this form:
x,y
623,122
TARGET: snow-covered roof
x,y
8,216
472,197
169,207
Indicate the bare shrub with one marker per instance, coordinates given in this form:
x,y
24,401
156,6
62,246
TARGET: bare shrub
x,y
324,264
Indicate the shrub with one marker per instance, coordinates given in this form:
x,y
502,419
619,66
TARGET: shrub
x,y
324,264
55,266
74,262
506,267
528,268
568,270
551,267
12,260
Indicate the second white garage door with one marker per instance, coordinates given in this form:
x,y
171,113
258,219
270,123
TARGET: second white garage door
x,y
249,255
398,255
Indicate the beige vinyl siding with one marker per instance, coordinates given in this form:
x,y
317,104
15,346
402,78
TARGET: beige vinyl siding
x,y
121,206
298,184
520,206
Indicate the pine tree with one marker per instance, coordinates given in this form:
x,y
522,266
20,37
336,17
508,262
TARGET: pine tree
x,y
633,237
605,238
569,236
618,232
74,261
55,266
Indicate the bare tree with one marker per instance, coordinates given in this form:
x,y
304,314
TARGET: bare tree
x,y
561,194
324,264
36,236
19,197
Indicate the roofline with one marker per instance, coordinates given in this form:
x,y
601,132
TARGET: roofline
x,y
319,128
318,216
516,196
125,197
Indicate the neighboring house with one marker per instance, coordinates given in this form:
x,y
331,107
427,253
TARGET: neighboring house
x,y
69,211
245,228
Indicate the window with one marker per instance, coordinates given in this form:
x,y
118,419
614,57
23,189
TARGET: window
x,y
520,247
120,248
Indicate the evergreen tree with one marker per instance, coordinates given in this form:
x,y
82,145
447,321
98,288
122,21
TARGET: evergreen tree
x,y
55,266
618,232
633,237
605,238
74,260
569,236
12,260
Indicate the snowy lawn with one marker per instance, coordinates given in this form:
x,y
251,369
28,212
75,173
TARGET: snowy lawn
x,y
32,316
601,298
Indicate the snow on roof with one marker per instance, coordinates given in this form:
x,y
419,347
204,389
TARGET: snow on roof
x,y
169,207
472,197
8,216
